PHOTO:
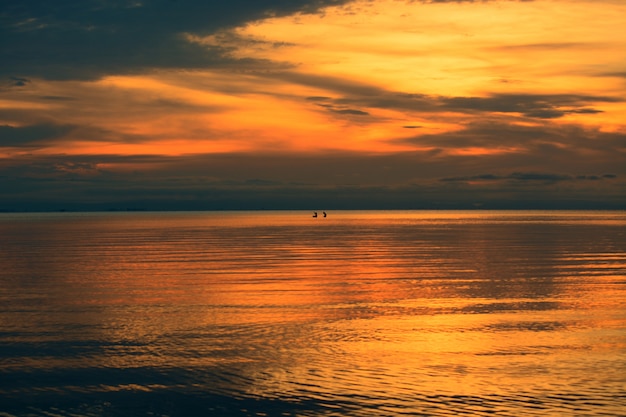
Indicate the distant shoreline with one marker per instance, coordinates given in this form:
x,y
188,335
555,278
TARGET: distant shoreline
x,y
476,209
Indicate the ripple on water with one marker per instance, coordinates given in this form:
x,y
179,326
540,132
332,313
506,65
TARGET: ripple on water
x,y
367,314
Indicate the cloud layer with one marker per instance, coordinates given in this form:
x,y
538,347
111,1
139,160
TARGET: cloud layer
x,y
76,39
187,104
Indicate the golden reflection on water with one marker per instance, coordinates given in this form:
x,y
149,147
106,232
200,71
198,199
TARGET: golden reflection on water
x,y
399,312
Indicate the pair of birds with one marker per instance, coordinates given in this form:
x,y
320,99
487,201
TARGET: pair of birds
x,y
315,213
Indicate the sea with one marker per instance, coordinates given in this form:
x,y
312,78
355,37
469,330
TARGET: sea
x,y
278,313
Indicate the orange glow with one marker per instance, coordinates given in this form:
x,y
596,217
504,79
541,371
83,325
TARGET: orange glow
x,y
362,60
450,48
166,147
15,104
483,151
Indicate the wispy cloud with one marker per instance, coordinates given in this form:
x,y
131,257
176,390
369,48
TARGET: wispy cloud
x,y
546,178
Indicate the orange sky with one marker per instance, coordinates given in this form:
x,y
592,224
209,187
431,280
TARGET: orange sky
x,y
453,79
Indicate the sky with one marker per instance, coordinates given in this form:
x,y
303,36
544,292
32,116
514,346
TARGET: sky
x,y
312,104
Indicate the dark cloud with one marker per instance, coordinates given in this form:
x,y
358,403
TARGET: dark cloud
x,y
482,177
569,148
289,181
483,134
528,176
32,135
542,106
613,74
525,176
535,106
42,134
328,104
86,39
585,111
352,112
11,83
19,82
57,98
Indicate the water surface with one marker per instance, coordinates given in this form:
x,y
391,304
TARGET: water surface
x,y
280,314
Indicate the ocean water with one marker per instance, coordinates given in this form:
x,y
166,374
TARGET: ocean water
x,y
362,313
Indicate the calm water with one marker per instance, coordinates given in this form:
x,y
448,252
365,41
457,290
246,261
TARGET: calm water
x,y
280,314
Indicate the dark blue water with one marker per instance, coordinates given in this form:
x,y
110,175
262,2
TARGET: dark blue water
x,y
279,314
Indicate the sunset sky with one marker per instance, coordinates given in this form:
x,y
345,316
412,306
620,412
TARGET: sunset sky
x,y
319,104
